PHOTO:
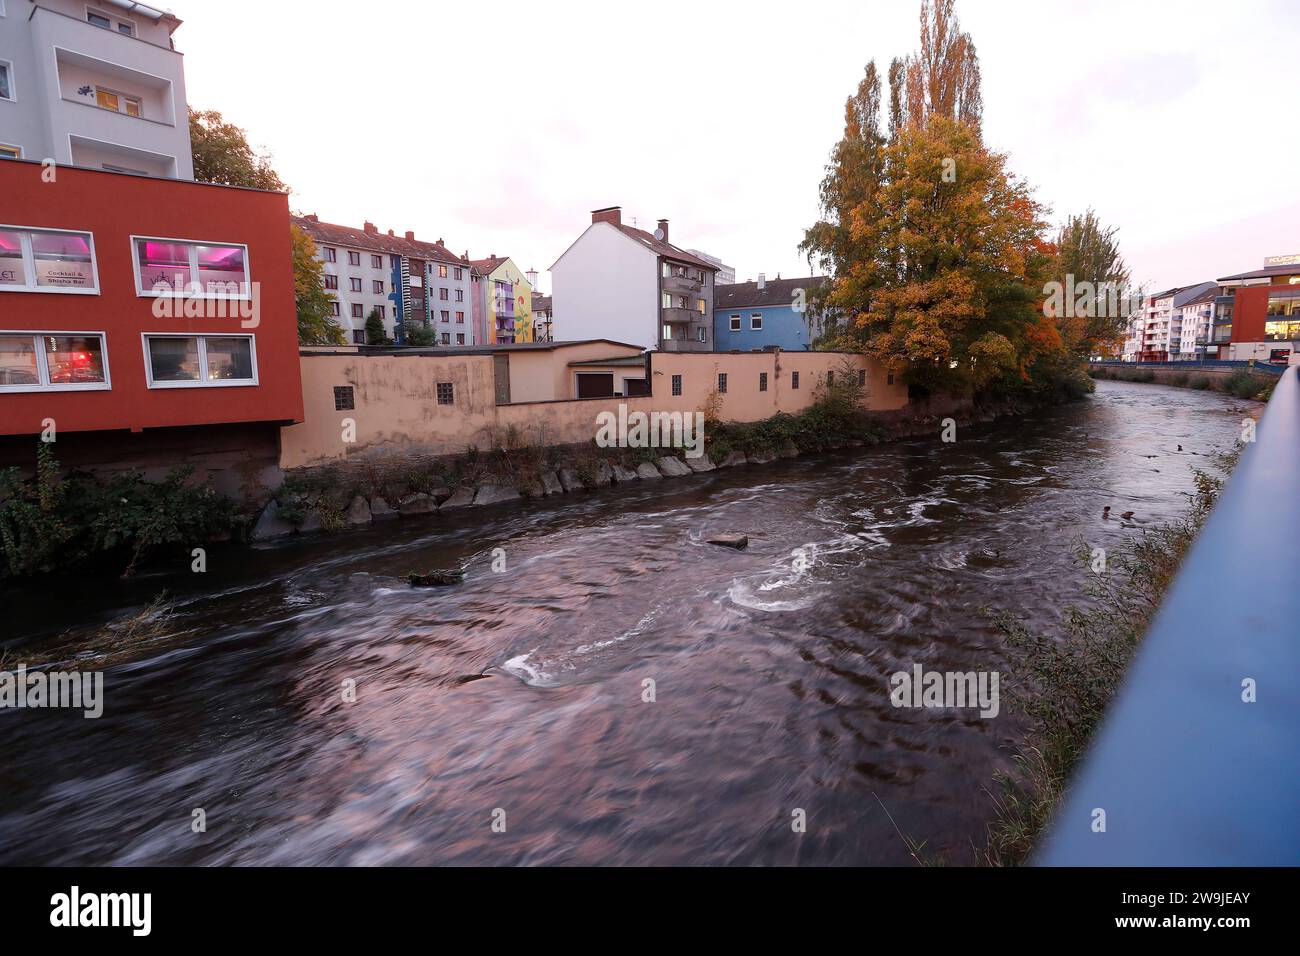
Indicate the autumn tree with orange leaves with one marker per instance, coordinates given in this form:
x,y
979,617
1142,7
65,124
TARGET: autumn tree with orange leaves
x,y
937,251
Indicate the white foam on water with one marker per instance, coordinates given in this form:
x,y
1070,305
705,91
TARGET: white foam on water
x,y
533,676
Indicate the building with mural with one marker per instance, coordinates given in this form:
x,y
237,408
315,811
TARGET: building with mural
x,y
505,297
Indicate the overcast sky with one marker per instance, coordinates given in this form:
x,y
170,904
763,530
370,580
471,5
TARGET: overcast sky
x,y
498,127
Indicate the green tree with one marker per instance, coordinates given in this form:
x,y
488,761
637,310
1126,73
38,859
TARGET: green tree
x,y
316,325
375,333
222,154
1089,252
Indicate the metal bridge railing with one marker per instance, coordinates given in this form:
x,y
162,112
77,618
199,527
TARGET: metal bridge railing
x,y
1187,772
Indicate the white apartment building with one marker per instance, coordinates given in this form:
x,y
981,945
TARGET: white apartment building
x,y
726,274
1192,318
619,282
96,84
406,279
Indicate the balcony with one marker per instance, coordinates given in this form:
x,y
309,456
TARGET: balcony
x,y
676,315
683,284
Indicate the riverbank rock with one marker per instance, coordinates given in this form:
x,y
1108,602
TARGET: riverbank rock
x,y
358,512
270,525
734,460
417,504
737,541
646,470
762,458
604,475
461,498
551,484
622,474
532,489
381,510
495,495
570,480
699,464
672,467
440,494
311,523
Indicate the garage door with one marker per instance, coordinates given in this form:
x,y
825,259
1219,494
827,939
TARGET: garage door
x,y
595,384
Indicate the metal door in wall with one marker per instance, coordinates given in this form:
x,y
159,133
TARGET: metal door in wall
x,y
501,376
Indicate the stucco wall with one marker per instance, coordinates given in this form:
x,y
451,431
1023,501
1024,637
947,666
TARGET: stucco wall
x,y
397,410
605,285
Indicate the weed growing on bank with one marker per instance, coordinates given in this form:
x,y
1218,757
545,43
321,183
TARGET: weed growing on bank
x,y
1068,680
1240,384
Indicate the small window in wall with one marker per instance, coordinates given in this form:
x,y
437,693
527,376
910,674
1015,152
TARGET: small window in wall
x,y
862,376
677,384
889,379
446,394
99,20
45,260
358,336
117,102
7,151
830,378
762,381
702,334
722,383
198,361
735,323
52,361
344,399
6,80
794,379
756,321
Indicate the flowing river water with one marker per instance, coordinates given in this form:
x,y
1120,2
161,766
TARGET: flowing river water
x,y
518,697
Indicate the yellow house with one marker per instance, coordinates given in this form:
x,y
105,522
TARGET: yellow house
x,y
508,300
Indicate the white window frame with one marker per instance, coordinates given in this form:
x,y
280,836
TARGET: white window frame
x,y
29,261
122,99
756,317
190,293
733,322
43,370
13,82
203,359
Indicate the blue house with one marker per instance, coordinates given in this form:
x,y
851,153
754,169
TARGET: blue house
x,y
756,315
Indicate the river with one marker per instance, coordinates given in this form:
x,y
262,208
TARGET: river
x,y
506,720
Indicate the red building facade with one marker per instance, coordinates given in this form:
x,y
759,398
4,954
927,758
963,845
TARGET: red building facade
x,y
129,304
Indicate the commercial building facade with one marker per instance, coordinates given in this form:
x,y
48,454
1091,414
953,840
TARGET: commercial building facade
x,y
1257,316
97,84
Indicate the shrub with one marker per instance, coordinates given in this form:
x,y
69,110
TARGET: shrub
x,y
1199,382
1242,384
418,335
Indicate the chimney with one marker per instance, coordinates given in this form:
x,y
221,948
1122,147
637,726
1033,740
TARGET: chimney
x,y
312,217
390,232
410,235
369,227
610,214
762,281
663,227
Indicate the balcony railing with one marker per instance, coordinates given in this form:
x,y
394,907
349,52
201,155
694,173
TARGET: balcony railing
x,y
682,315
1187,771
682,284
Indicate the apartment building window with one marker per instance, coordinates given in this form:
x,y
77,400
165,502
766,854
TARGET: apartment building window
x,y
52,361
196,361
354,284
667,300
442,272
358,337
446,316
794,380
117,102
700,306
756,321
356,311
178,266
677,384
344,398
377,286
331,255
460,318
446,393
762,381
460,295
331,282
735,323
702,334
99,20
10,152
446,338
376,262
668,332
334,308
354,258
862,376
460,338
457,273
442,294
722,383
47,260
6,82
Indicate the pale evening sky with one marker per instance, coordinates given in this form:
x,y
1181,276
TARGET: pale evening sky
x,y
499,127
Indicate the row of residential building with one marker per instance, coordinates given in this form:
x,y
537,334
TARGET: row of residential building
x,y
1249,315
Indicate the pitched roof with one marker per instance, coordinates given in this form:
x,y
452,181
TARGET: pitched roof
x,y
774,292
659,247
489,265
1264,273
541,303
1192,293
352,238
